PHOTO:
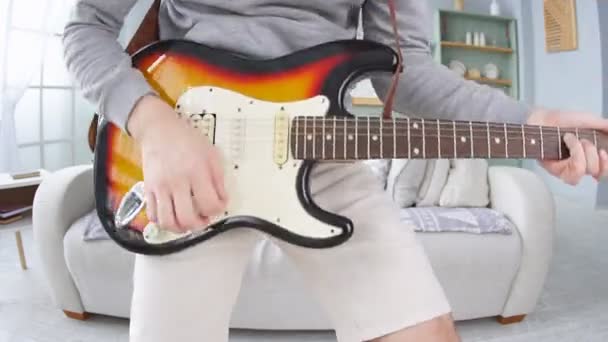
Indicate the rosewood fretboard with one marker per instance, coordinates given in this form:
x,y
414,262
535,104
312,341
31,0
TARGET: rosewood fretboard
x,y
339,138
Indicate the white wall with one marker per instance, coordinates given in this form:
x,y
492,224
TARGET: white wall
x,y
568,80
602,193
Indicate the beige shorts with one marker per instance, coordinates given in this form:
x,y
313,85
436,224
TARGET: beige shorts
x,y
385,279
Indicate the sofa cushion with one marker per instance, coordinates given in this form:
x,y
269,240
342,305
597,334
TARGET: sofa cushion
x,y
467,184
467,220
102,272
433,182
91,226
404,180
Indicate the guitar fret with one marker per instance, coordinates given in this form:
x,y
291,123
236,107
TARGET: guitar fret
x,y
356,138
305,135
314,138
542,143
394,139
471,134
369,142
559,142
295,153
577,137
333,140
489,146
506,142
595,138
455,144
423,140
381,139
523,137
323,139
345,138
409,140
438,139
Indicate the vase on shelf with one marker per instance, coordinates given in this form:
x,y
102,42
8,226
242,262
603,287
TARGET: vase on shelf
x,y
494,8
459,5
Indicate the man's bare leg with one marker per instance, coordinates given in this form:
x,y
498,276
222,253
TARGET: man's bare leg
x,y
440,329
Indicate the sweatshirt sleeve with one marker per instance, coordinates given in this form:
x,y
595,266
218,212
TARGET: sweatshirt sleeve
x,y
98,63
427,88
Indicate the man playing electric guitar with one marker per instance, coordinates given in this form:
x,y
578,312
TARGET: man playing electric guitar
x,y
379,285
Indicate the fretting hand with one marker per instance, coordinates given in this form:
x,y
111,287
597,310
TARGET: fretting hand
x,y
585,158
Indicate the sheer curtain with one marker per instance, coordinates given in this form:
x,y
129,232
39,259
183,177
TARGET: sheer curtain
x,y
22,47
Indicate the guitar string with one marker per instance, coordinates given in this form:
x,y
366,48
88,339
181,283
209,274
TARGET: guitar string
x,y
427,122
501,133
497,129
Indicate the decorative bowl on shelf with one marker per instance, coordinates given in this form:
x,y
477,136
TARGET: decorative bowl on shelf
x,y
490,71
458,67
474,73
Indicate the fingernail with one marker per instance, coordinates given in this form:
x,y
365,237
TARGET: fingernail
x,y
604,154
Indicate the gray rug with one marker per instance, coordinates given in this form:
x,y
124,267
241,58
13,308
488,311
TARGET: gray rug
x,y
574,306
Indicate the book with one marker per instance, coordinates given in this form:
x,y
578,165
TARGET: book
x,y
10,219
24,175
7,211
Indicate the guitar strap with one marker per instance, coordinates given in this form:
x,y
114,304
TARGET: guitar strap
x,y
149,32
390,96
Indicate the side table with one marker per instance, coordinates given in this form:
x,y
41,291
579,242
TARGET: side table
x,y
20,192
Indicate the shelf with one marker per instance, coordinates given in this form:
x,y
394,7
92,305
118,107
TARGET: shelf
x,y
476,15
461,45
22,224
501,82
367,101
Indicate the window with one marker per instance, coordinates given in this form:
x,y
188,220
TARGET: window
x,y
51,118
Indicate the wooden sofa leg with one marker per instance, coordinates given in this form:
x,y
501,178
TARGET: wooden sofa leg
x,y
510,320
81,316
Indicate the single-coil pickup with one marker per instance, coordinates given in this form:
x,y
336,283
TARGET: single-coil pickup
x,y
281,138
207,126
237,137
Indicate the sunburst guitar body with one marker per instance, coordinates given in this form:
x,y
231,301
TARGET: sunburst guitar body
x,y
246,108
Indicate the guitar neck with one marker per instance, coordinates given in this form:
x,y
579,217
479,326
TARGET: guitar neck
x,y
339,138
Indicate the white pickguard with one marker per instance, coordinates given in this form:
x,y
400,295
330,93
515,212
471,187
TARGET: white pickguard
x,y
257,186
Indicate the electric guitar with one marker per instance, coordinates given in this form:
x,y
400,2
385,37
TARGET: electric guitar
x,y
273,120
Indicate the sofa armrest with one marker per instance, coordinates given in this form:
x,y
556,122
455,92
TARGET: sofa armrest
x,y
62,198
526,200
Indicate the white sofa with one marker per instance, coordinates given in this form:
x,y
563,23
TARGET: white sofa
x,y
483,275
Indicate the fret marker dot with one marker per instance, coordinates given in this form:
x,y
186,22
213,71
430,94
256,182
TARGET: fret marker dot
x,y
463,139
533,141
328,137
415,126
374,137
309,137
497,140
350,137
416,151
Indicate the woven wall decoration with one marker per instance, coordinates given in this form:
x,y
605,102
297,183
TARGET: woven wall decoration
x,y
560,25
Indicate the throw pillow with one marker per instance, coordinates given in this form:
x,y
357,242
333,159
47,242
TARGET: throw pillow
x,y
404,180
380,168
467,184
465,220
93,230
433,183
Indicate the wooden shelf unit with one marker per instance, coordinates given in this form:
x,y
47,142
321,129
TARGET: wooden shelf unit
x,y
498,82
461,45
501,35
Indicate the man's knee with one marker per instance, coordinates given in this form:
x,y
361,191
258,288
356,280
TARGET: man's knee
x,y
440,329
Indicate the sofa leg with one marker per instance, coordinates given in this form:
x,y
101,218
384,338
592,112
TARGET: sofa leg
x,y
510,320
81,316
